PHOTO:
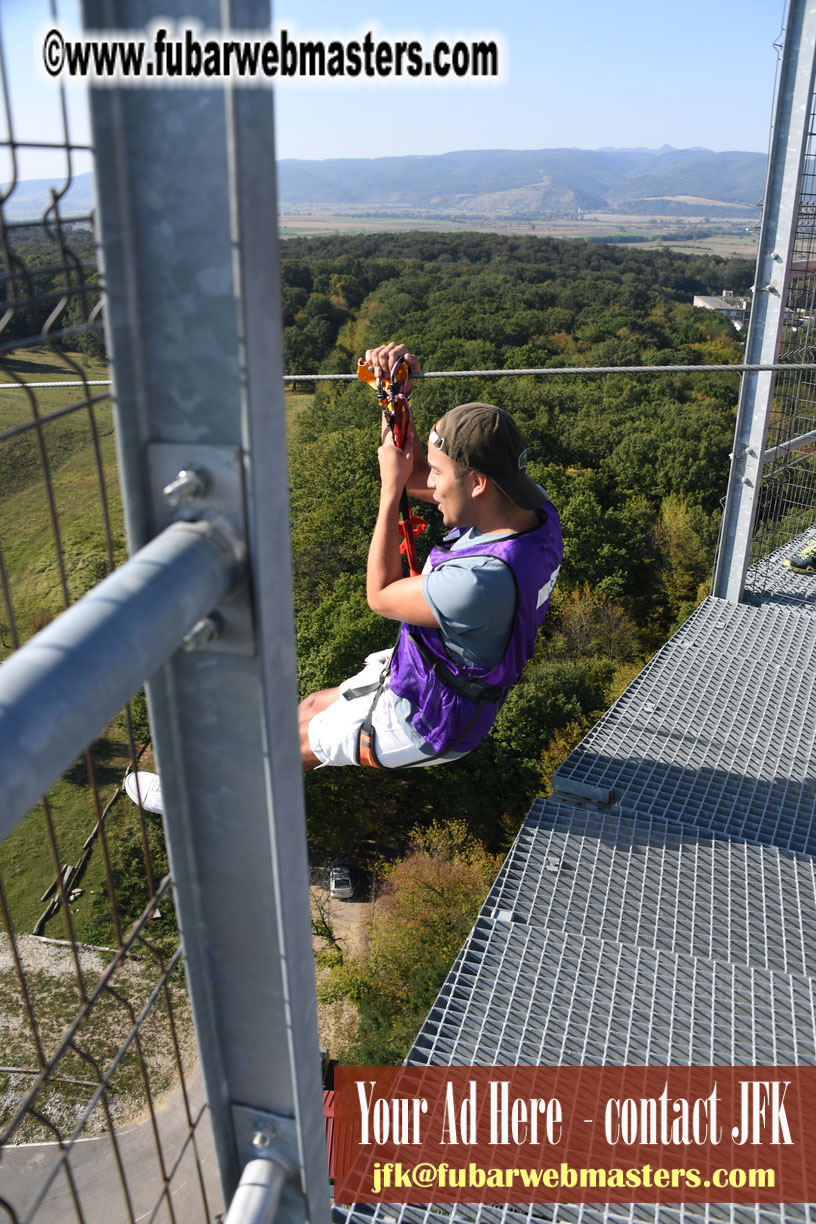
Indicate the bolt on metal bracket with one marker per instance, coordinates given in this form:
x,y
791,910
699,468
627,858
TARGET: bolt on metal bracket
x,y
190,482
269,1136
200,482
265,1134
203,631
257,1128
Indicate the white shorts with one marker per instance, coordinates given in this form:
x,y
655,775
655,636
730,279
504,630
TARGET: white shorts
x,y
334,732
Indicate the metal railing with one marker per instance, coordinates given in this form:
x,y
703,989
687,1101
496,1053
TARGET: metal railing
x,y
773,472
106,1054
95,1026
786,503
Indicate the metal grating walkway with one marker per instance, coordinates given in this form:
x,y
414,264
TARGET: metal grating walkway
x,y
660,885
769,582
530,996
613,1213
660,907
717,730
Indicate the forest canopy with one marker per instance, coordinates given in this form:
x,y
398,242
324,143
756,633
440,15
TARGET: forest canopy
x,y
636,465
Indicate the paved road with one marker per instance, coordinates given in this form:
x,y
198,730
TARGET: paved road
x,y
24,1169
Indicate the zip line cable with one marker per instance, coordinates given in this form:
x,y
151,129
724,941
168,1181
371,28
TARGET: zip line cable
x,y
741,368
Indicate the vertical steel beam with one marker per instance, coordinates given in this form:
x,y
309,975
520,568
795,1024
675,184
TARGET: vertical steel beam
x,y
779,215
188,224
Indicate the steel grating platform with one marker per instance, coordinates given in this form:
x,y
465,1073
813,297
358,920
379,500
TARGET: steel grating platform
x,y
768,580
559,1213
616,1213
520,994
660,907
717,730
659,884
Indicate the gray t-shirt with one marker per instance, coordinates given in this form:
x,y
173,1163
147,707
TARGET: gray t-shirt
x,y
474,600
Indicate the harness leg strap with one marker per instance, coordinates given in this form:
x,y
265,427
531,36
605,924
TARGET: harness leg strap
x,y
366,751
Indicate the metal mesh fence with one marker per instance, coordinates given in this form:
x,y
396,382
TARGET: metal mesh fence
x,y
786,497
101,1113
96,1039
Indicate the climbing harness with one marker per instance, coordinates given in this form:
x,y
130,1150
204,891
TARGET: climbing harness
x,y
366,751
393,397
475,690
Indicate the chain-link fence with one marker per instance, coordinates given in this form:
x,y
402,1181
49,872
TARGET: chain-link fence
x,y
106,1056
101,1113
786,497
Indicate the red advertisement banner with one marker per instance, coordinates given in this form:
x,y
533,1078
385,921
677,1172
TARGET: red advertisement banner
x,y
575,1134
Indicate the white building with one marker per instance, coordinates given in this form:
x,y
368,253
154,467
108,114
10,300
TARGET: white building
x,y
737,309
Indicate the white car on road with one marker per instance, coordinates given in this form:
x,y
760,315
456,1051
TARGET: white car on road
x,y
340,885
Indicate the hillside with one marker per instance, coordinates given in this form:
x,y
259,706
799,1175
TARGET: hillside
x,y
530,183
525,183
31,197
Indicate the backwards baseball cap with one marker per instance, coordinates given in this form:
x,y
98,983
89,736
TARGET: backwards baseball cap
x,y
486,439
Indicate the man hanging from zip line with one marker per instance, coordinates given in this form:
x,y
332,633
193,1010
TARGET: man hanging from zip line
x,y
469,621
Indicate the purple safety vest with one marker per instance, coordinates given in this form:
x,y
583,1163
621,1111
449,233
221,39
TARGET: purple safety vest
x,y
457,704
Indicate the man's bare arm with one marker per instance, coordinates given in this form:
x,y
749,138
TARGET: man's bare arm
x,y
417,484
387,592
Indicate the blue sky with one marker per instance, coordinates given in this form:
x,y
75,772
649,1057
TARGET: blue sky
x,y
579,73
582,73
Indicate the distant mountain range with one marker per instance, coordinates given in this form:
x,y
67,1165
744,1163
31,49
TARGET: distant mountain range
x,y
531,183
31,197
492,183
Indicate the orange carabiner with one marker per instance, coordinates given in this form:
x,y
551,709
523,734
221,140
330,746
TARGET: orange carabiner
x,y
382,385
397,411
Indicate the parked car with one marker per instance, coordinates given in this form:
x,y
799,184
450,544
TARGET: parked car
x,y
340,885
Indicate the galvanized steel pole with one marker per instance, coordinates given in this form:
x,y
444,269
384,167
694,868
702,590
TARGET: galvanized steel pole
x,y
187,210
779,216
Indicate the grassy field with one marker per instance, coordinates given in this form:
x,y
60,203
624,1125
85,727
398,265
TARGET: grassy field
x,y
33,536
296,401
32,531
52,554
726,237
77,452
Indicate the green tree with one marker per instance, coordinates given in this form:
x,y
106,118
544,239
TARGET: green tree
x,y
430,900
685,539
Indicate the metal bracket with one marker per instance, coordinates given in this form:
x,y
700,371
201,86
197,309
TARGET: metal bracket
x,y
195,482
257,1131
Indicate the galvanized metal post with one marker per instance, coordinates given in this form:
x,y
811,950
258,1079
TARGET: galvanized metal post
x,y
187,209
788,144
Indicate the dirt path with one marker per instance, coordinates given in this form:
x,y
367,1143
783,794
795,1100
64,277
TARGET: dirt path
x,y
337,1021
346,918
53,989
